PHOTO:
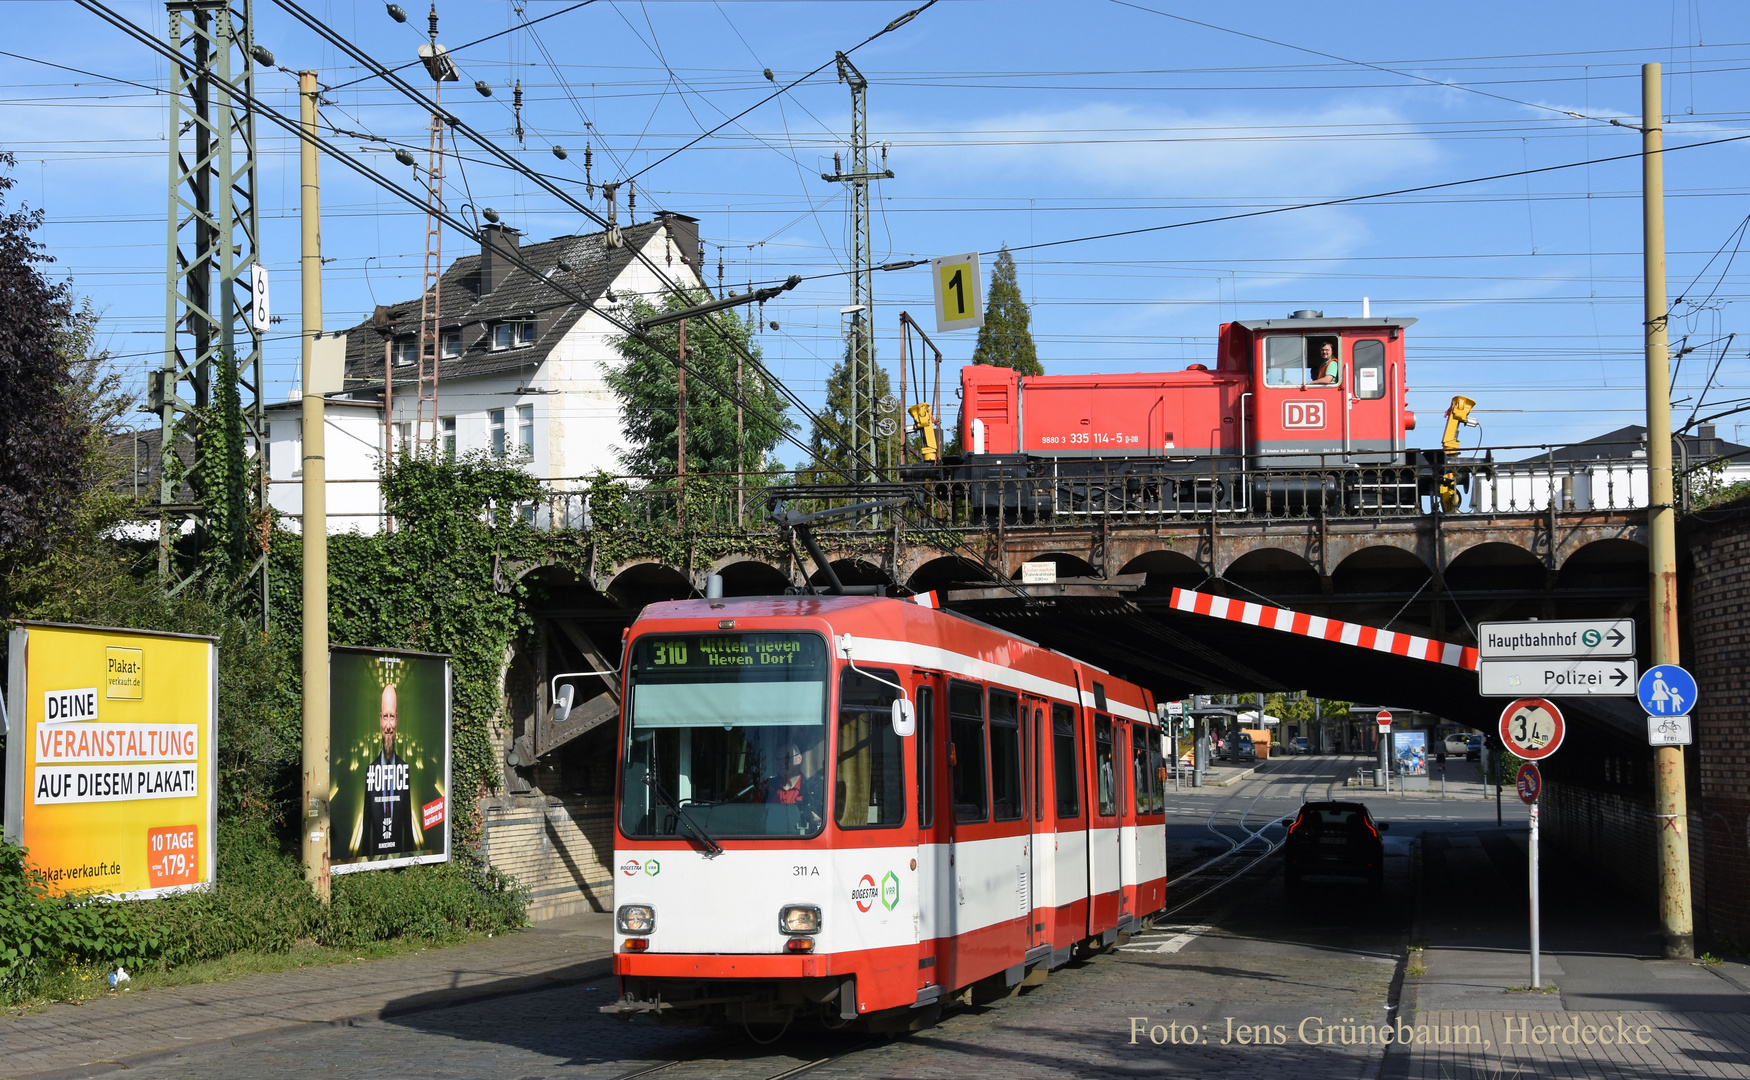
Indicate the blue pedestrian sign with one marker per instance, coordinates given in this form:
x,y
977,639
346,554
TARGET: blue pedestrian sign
x,y
1667,690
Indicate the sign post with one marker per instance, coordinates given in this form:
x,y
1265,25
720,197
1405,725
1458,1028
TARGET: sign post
x,y
959,292
1383,719
1532,729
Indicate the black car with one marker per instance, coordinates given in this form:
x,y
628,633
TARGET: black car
x,y
1334,838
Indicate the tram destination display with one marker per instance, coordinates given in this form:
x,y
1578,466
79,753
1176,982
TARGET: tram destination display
x,y
389,734
110,760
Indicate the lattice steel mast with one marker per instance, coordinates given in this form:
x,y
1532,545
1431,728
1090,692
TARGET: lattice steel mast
x,y
425,430
212,231
860,338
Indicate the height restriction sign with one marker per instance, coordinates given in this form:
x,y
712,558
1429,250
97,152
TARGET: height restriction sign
x,y
959,294
1532,728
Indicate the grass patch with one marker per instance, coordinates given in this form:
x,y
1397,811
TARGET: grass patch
x,y
1415,966
1546,988
77,984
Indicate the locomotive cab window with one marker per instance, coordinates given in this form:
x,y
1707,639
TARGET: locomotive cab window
x,y
1324,361
966,751
869,789
1007,799
1369,360
726,735
1284,360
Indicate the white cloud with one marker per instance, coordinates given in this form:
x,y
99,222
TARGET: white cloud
x,y
1107,148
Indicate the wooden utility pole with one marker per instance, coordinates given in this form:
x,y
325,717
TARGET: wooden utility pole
x,y
1669,793
315,833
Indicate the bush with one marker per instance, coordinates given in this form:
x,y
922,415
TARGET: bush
x,y
261,905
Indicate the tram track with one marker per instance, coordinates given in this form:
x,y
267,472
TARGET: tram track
x,y
803,1069
1239,846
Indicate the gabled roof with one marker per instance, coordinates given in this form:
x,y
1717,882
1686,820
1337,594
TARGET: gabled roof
x,y
520,295
1625,441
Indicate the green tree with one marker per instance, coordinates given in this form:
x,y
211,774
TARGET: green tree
x,y
1005,339
829,436
647,384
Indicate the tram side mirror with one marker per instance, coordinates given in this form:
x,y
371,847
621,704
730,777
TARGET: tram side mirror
x,y
562,699
905,720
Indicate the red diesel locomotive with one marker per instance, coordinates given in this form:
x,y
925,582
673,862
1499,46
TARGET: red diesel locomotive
x,y
1305,393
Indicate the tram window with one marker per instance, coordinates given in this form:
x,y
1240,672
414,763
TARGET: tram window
x,y
1284,360
1141,777
1064,759
1369,363
926,750
869,789
1008,801
1038,763
1105,775
966,751
1156,762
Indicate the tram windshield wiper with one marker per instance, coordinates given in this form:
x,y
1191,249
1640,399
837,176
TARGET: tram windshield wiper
x,y
712,847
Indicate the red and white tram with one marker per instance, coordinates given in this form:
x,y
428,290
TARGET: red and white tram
x,y
858,808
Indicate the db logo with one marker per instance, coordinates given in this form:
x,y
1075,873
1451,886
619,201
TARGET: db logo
x,y
1303,414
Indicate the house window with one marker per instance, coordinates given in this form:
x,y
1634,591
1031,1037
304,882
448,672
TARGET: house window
x,y
298,452
525,430
452,344
406,350
513,335
449,425
495,424
404,437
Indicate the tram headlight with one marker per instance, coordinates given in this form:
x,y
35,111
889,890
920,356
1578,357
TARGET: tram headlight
x,y
799,919
635,919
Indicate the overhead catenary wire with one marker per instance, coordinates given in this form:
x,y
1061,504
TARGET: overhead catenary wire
x,y
631,330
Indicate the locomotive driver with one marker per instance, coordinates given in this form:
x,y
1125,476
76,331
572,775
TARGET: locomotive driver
x,y
1326,367
388,793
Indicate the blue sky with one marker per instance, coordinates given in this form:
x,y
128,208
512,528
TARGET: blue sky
x,y
1016,123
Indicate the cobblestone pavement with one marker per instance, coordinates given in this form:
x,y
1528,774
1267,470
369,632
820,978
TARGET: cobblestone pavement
x,y
1614,1045
134,1027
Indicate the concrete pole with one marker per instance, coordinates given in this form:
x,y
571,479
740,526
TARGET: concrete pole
x,y
1668,779
315,521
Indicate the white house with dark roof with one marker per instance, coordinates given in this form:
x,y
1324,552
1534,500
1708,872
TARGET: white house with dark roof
x,y
524,366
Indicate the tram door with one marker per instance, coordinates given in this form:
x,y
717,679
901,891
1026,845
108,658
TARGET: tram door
x,y
935,874
1133,787
1041,838
1103,823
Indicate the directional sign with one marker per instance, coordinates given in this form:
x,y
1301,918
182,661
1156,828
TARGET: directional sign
x,y
1668,731
1586,639
959,292
1556,678
1667,690
1529,783
1175,708
1532,728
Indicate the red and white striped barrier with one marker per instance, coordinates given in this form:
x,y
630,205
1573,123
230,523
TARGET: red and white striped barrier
x,y
1295,622
926,599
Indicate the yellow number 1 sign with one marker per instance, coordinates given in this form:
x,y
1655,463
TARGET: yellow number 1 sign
x,y
959,294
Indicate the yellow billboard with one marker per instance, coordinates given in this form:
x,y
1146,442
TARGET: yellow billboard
x,y
110,779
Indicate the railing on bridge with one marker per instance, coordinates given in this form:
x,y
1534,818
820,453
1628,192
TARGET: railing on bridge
x,y
1075,494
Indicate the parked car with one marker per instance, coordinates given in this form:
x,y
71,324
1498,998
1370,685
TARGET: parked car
x,y
1333,839
1473,748
1242,748
1300,745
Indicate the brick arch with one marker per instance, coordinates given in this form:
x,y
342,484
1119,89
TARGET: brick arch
x,y
751,577
1277,573
639,584
946,572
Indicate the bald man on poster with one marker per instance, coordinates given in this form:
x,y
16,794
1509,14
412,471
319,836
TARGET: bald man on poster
x,y
388,792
